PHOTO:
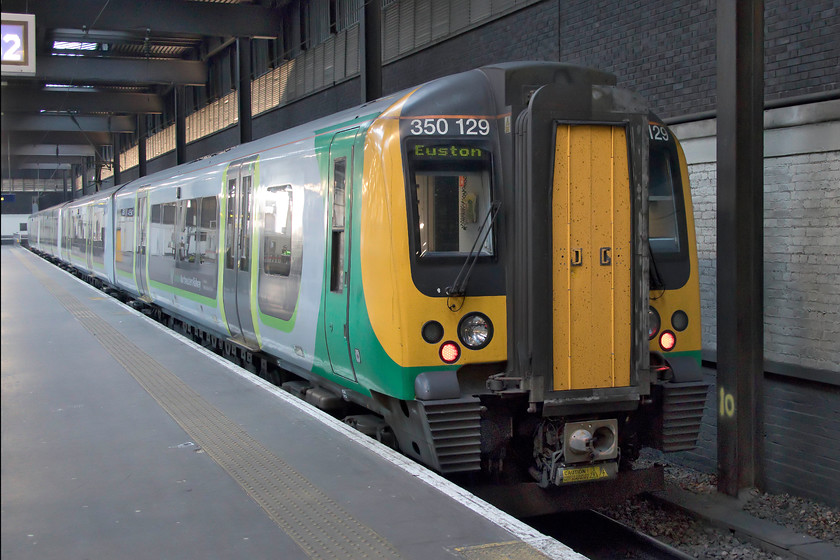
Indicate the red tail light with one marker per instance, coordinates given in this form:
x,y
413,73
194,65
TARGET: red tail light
x,y
450,352
667,341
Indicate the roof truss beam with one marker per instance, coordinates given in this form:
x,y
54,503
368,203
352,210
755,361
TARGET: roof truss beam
x,y
108,36
53,150
24,161
79,137
67,123
159,16
83,70
24,100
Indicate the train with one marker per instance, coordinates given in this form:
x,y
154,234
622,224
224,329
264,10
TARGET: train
x,y
494,272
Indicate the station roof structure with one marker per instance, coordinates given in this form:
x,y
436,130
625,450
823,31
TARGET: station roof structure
x,y
100,63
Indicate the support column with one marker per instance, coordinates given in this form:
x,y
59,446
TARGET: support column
x,y
84,170
98,164
740,244
371,50
115,142
72,182
243,53
180,125
142,132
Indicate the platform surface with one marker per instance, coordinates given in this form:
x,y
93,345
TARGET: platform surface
x,y
121,439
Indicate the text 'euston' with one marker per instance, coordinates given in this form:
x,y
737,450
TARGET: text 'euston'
x,y
451,151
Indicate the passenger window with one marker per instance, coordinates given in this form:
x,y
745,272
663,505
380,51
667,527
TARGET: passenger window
x,y
245,231
162,239
229,227
338,207
124,254
277,244
208,230
197,230
188,212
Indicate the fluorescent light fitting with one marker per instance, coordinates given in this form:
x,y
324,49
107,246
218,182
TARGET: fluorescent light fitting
x,y
74,46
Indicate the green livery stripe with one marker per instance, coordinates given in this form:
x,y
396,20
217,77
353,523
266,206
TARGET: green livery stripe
x,y
204,300
375,371
696,354
279,324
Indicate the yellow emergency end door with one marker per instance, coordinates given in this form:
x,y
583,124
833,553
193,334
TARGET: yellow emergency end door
x,y
592,256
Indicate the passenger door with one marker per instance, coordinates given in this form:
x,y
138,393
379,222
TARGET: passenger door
x,y
337,285
142,236
238,212
89,235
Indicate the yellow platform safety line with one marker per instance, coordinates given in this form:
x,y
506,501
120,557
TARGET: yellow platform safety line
x,y
591,239
512,550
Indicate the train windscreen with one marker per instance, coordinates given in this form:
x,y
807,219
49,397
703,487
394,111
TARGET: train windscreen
x,y
667,228
662,219
452,198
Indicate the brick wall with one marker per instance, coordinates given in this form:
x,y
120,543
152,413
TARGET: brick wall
x,y
665,49
802,319
801,257
703,178
527,34
801,49
802,438
802,260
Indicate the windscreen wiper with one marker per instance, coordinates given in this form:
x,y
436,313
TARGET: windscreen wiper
x,y
656,281
459,286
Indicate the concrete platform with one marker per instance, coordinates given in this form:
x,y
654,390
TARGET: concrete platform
x,y
121,439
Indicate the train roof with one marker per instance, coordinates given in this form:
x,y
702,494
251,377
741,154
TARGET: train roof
x,y
449,93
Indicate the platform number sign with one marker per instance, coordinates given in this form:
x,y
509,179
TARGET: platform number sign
x,y
726,401
17,35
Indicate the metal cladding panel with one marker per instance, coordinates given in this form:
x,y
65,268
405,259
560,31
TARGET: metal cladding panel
x,y
591,257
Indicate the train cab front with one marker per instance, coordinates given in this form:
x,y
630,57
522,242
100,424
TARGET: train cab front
x,y
518,263
432,241
592,175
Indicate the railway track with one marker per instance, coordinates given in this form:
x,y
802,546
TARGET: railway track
x,y
600,538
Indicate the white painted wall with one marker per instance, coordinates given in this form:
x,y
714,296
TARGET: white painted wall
x,y
11,223
801,231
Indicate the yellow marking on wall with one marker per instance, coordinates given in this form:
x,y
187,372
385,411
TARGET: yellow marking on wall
x,y
591,240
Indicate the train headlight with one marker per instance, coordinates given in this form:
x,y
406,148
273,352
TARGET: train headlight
x,y
450,352
679,320
667,341
475,331
653,323
432,332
